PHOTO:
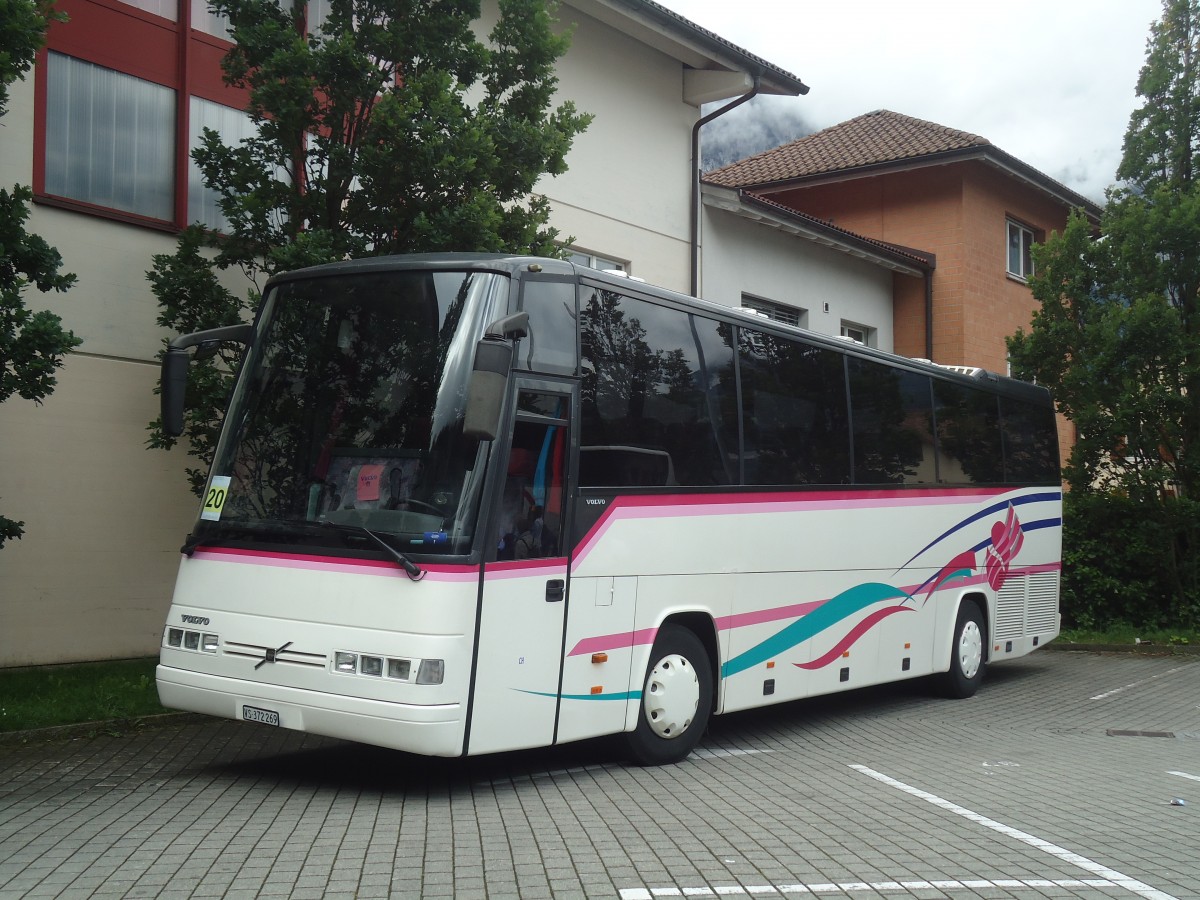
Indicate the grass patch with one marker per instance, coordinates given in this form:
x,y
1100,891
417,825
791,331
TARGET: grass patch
x,y
65,695
1128,635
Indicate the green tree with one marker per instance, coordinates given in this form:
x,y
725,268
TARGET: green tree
x,y
1117,337
32,343
389,127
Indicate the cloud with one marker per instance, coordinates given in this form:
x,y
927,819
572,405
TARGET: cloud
x,y
1051,83
756,125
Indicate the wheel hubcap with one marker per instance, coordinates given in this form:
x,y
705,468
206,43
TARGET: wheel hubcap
x,y
671,697
970,649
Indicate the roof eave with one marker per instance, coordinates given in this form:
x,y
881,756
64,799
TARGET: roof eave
x,y
988,154
694,46
746,205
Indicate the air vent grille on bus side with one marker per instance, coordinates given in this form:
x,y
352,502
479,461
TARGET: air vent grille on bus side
x,y
1027,604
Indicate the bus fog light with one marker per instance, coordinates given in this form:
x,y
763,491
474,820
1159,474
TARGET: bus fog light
x,y
372,665
174,637
347,663
209,643
431,672
399,668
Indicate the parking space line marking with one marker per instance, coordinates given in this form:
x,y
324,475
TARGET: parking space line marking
x,y
1108,694
857,887
1185,775
1124,881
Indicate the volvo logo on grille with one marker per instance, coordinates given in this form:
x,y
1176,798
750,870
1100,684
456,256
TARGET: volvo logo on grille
x,y
195,620
271,655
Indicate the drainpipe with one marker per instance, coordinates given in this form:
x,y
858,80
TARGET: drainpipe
x,y
694,235
929,315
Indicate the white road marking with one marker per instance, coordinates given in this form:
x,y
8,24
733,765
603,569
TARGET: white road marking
x,y
1185,775
1102,871
719,753
859,887
1108,694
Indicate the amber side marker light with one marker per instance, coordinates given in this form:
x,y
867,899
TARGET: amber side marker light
x,y
599,657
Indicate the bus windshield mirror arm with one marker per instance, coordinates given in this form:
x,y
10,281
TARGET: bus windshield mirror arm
x,y
414,572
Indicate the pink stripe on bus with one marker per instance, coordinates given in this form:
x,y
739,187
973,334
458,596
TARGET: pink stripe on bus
x,y
315,563
618,641
759,503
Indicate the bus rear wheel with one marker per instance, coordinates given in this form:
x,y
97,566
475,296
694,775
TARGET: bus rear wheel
x,y
968,654
676,699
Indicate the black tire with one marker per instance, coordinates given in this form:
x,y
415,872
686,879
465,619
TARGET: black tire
x,y
676,700
968,653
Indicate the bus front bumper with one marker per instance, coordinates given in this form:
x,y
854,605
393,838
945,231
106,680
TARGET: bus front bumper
x,y
435,730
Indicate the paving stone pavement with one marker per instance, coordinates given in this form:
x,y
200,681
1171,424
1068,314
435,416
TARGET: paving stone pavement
x,y
1028,790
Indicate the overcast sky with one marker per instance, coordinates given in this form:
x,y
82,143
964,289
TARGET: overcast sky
x,y
1050,81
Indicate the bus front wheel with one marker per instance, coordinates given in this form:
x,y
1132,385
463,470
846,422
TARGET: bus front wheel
x,y
968,654
676,699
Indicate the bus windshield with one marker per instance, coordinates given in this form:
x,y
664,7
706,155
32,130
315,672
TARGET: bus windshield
x,y
348,415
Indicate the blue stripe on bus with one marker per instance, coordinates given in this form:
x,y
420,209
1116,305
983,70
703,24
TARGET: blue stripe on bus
x,y
1049,497
619,695
828,614
1025,527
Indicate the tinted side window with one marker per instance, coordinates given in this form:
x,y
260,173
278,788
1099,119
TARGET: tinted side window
x,y
892,412
1030,442
968,431
657,389
795,425
550,346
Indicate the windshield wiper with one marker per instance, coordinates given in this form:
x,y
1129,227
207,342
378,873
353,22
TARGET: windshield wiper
x,y
298,527
410,568
213,529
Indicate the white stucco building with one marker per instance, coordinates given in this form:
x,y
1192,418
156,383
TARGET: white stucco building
x,y
104,516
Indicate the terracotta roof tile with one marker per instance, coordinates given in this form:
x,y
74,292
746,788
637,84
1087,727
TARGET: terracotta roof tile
x,y
877,137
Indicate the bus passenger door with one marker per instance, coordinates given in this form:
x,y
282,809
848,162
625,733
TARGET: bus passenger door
x,y
520,650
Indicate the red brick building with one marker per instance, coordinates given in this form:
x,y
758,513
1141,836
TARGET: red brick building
x,y
945,192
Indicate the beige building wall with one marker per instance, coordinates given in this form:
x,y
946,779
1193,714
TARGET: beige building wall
x,y
104,516
626,194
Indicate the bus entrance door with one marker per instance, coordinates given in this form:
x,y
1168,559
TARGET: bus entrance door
x,y
519,659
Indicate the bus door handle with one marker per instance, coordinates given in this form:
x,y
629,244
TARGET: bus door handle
x,y
556,589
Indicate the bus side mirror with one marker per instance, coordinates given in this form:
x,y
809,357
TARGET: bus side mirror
x,y
173,389
173,381
489,376
486,389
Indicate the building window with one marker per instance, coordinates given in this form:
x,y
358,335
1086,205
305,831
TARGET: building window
x,y
203,19
233,126
788,315
583,258
168,9
860,334
1020,241
109,138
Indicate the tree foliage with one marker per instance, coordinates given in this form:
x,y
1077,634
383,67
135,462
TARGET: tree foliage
x,y
32,343
389,127
1117,337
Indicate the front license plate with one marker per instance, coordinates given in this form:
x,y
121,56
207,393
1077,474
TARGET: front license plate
x,y
262,716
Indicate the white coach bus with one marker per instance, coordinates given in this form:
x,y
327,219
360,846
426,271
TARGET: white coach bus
x,y
464,504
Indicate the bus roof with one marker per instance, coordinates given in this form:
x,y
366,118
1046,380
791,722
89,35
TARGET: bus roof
x,y
518,265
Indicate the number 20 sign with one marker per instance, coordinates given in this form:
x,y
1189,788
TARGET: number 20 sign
x,y
214,498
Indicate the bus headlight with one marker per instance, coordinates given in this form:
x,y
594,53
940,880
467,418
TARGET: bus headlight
x,y
427,671
182,639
